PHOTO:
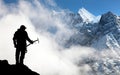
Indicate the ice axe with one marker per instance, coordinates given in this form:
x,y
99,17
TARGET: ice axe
x,y
33,42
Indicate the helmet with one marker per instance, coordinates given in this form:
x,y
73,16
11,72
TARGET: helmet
x,y
22,27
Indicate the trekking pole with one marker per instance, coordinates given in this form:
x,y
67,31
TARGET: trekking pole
x,y
33,42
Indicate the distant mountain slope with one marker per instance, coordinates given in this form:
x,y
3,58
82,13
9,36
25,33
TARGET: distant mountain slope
x,y
104,34
109,30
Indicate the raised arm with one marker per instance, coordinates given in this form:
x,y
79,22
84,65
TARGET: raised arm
x,y
28,39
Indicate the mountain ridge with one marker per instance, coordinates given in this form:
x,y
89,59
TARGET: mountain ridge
x,y
89,33
104,37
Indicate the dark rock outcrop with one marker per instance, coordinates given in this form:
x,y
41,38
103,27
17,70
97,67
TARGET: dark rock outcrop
x,y
7,69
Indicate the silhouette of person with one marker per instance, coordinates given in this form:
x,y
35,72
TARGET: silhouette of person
x,y
19,40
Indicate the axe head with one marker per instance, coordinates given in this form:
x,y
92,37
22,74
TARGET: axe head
x,y
38,40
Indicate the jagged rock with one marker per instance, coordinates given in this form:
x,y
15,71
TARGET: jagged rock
x,y
108,17
91,34
7,69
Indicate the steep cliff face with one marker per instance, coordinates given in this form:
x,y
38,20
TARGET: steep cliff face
x,y
7,69
109,32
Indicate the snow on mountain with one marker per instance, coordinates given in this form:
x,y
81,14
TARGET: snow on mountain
x,y
87,16
97,34
109,26
103,36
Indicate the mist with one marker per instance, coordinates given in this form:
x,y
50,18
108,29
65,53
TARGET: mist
x,y
48,57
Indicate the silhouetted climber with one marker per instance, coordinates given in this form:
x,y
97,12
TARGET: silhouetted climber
x,y
19,40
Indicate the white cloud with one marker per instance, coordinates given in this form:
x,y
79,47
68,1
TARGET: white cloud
x,y
44,57
3,9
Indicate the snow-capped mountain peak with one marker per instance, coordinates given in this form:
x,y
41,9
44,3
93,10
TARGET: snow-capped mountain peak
x,y
87,16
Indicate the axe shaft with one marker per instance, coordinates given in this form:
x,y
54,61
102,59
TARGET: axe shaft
x,y
33,42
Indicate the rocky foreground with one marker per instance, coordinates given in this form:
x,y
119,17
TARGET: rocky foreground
x,y
7,69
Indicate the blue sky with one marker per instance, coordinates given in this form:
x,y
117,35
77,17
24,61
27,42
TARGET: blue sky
x,y
10,1
96,7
